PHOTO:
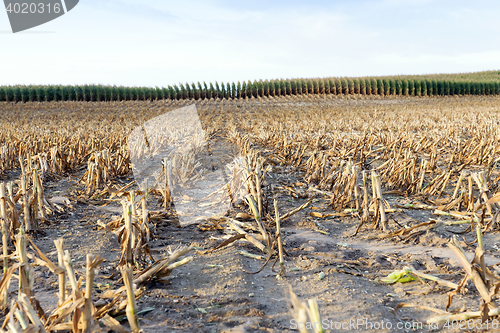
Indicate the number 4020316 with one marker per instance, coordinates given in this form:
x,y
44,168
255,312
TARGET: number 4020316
x,y
32,8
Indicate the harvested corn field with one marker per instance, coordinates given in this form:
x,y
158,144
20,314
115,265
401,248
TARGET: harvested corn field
x,y
358,212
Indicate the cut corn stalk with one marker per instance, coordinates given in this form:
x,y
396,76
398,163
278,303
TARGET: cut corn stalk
x,y
307,317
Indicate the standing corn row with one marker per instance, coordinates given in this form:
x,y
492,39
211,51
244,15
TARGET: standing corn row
x,y
432,85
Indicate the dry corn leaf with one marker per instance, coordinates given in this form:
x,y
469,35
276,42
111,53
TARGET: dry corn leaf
x,y
113,324
494,199
244,216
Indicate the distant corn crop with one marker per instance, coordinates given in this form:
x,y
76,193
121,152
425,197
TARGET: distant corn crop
x,y
479,83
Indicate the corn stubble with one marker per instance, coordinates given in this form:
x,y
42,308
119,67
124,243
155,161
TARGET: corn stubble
x,y
25,207
77,310
306,315
441,159
339,150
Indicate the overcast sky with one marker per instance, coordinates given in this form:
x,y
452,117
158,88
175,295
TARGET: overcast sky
x,y
160,43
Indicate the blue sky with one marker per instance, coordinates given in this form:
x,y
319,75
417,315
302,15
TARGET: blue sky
x,y
159,43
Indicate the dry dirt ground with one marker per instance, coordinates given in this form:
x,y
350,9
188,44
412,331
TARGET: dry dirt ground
x,y
216,292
